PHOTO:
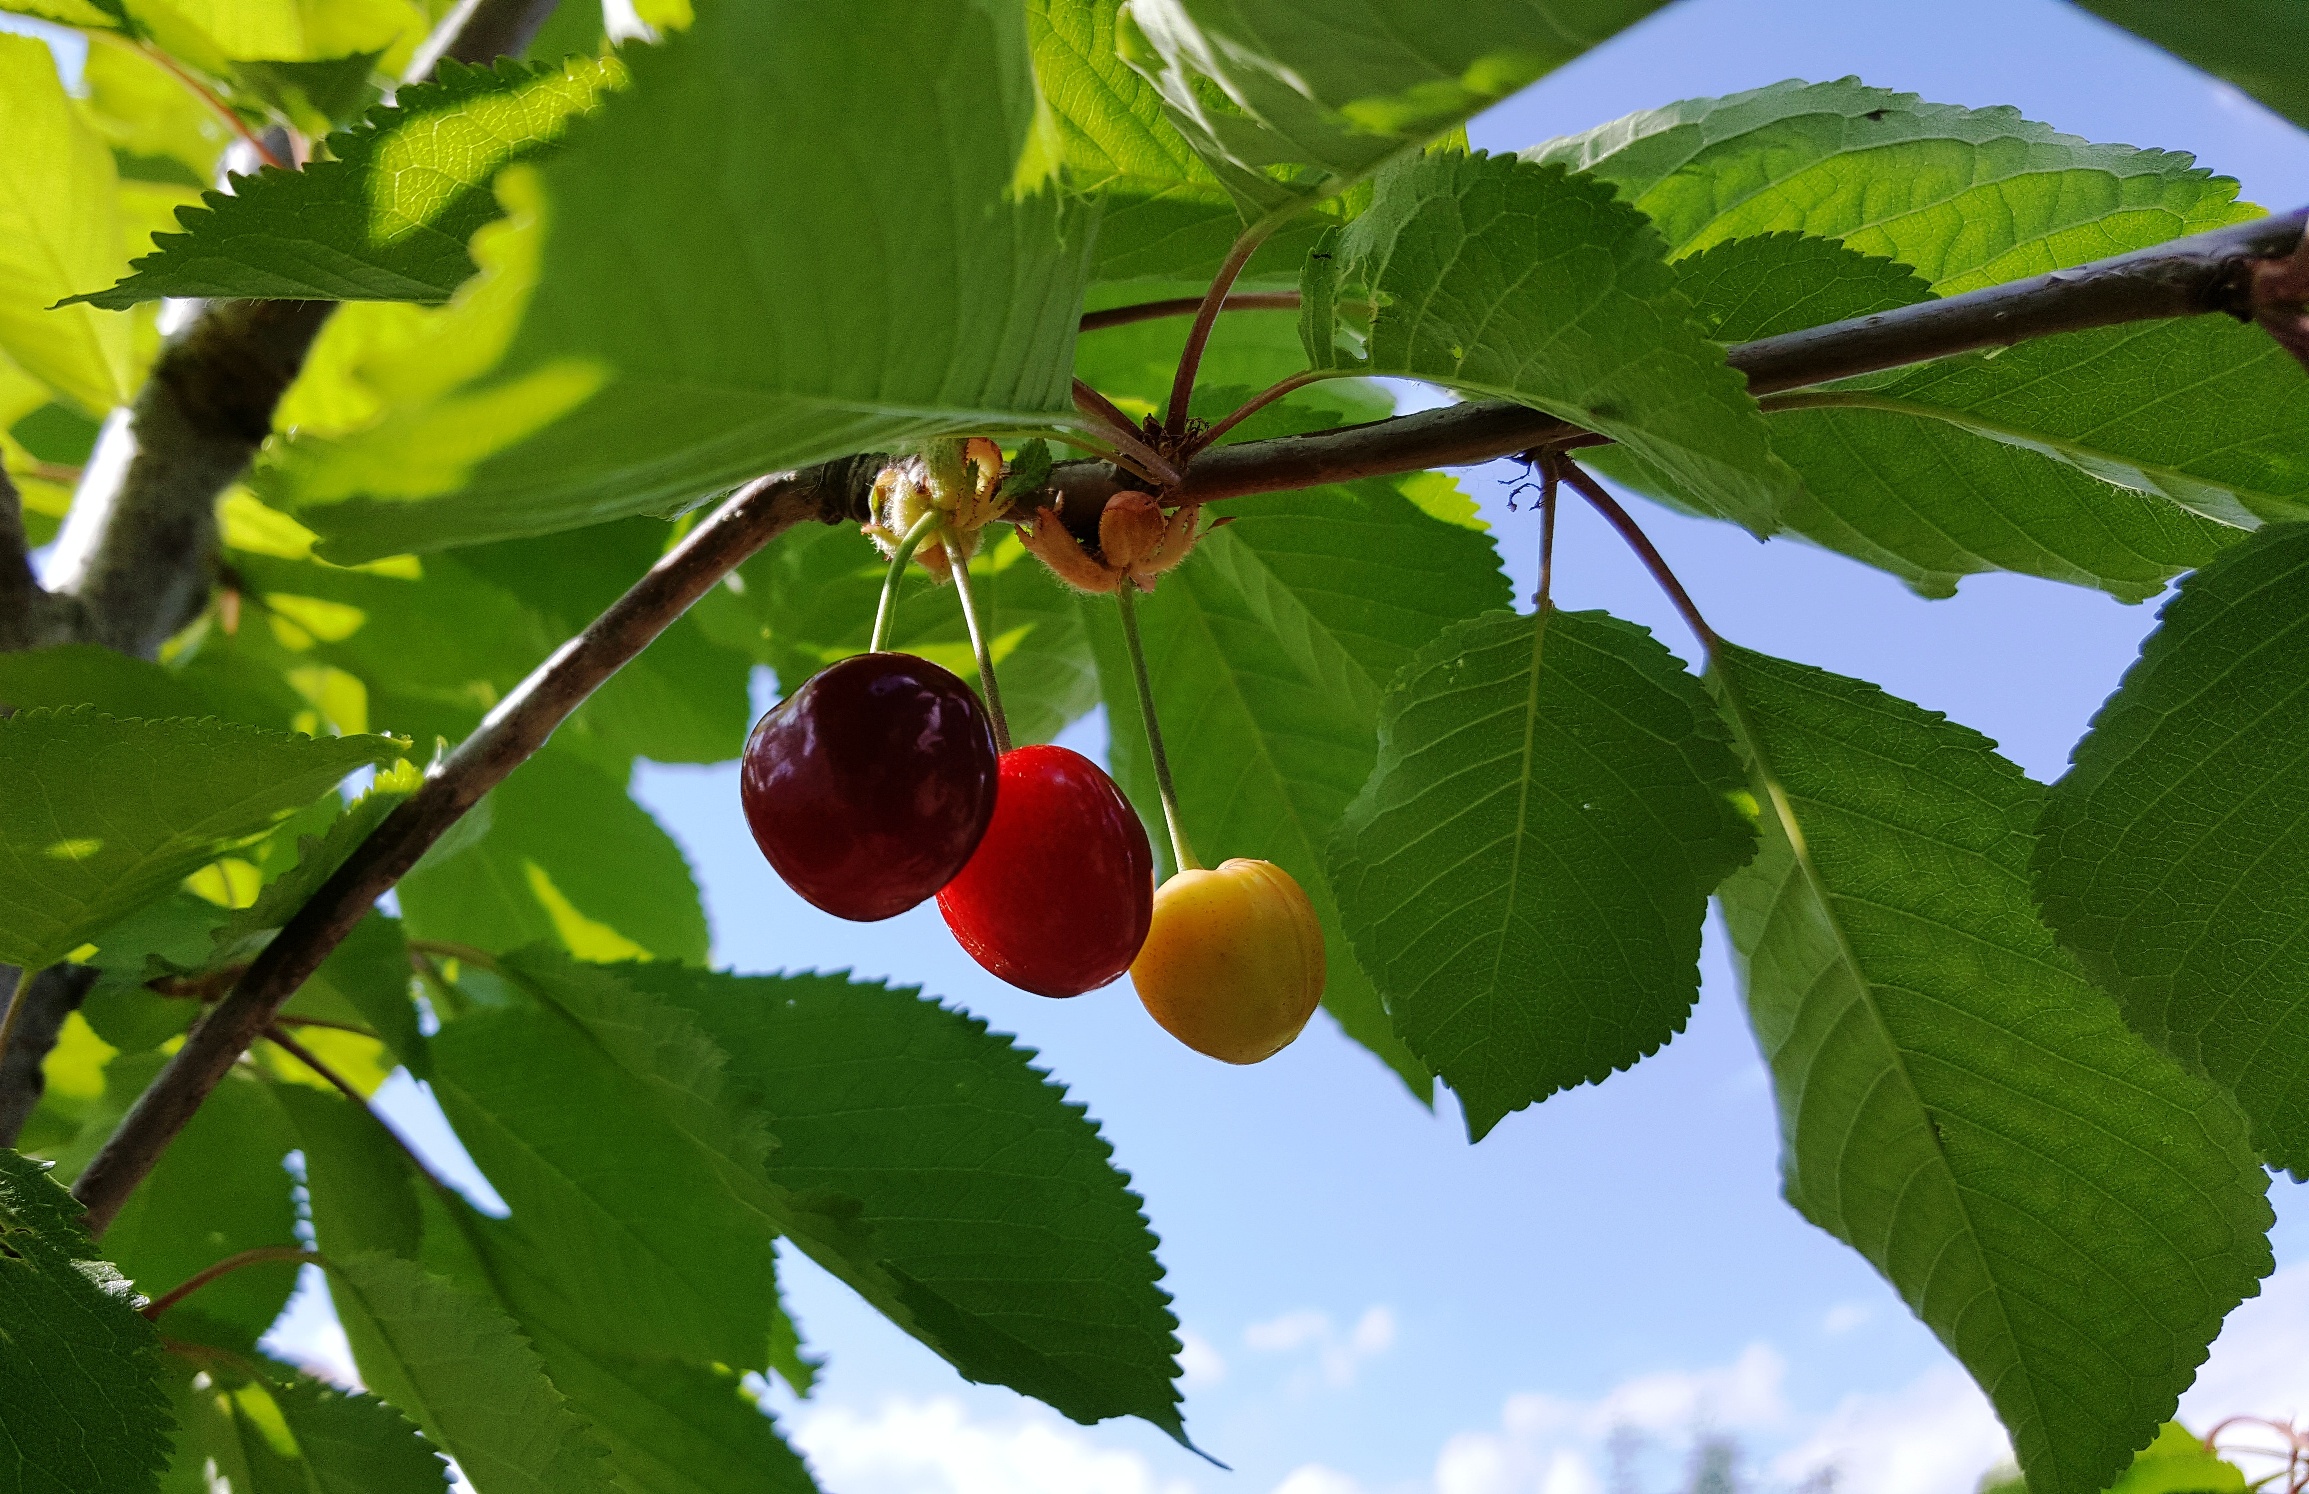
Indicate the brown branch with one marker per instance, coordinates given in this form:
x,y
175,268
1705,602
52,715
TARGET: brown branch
x,y
1148,311
2206,274
1647,552
519,725
140,543
135,561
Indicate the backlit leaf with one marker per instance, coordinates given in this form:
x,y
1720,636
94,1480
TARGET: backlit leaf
x,y
1525,874
127,808
2168,861
2066,1209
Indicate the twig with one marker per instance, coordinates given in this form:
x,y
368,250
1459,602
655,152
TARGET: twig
x,y
2205,274
327,1024
305,1056
208,97
263,1255
1258,402
1640,542
1207,316
518,726
1148,311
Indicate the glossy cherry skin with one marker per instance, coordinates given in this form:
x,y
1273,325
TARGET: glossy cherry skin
x,y
1233,965
870,786
1058,898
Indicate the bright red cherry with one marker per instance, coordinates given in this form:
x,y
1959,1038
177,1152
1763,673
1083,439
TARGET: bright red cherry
x,y
870,786
1058,898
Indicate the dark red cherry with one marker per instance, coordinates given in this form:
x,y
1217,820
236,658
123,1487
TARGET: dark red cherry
x,y
1058,898
870,786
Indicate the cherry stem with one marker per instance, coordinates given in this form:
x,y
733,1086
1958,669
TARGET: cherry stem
x,y
1256,403
886,612
960,565
1148,311
1549,478
262,1255
210,97
1603,503
305,1056
1206,317
464,954
1126,600
1140,457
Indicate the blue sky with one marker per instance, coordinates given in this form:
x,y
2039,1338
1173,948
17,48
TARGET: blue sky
x,y
1374,1305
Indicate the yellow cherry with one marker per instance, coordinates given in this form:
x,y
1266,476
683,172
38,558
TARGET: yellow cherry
x,y
1233,963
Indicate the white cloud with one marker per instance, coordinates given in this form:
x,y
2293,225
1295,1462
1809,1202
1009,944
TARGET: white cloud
x,y
1200,1363
1314,1478
1846,1316
1338,1355
933,1447
1935,1435
1548,1444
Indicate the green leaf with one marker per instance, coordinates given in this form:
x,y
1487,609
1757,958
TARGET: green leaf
x,y
809,598
279,1432
1268,650
2243,41
128,808
2067,1210
59,233
650,328
1968,197
559,852
1525,873
1258,84
220,1188
1745,289
74,674
79,1367
386,214
1504,278
457,1367
357,1178
2202,412
595,1112
670,1427
1019,1250
168,934
2179,1463
249,929
2167,862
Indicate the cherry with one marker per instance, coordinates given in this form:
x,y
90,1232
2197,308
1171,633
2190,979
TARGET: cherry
x,y
1058,897
870,786
1233,965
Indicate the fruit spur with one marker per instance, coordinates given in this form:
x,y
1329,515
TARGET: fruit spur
x,y
884,780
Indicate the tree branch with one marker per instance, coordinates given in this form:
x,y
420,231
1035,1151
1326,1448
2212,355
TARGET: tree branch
x,y
755,515
30,616
2201,275
49,997
139,545
2209,273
